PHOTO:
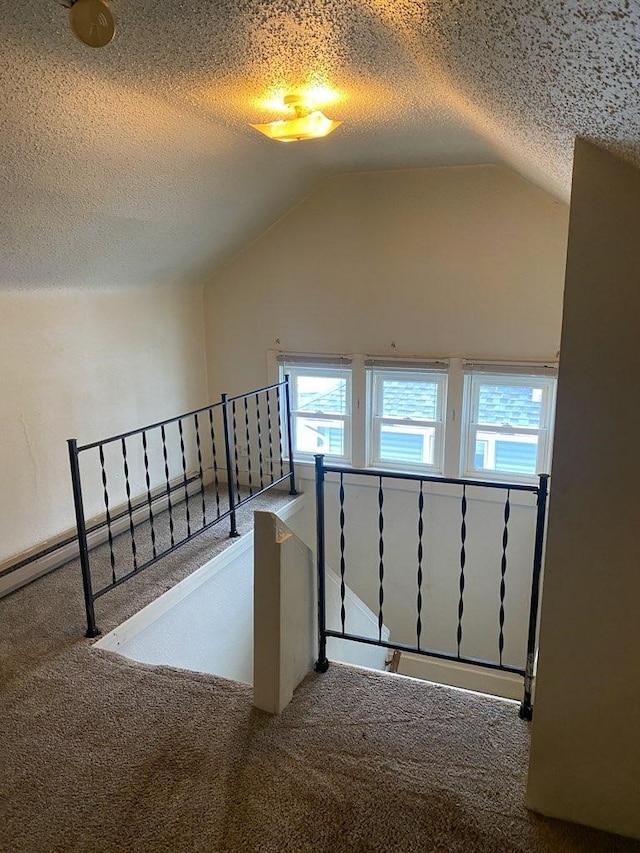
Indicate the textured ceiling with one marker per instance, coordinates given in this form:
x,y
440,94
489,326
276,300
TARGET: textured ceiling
x,y
135,163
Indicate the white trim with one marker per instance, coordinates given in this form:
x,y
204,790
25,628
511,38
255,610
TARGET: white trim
x,y
505,685
359,407
453,419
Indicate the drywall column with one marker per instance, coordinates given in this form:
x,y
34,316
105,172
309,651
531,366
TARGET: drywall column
x,y
585,754
284,613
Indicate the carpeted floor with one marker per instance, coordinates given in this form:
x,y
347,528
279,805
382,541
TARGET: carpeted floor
x,y
101,754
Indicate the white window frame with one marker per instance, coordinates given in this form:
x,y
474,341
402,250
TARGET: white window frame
x,y
376,372
326,366
475,375
457,448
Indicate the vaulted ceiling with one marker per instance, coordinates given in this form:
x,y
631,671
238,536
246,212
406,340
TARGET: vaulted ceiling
x,y
135,163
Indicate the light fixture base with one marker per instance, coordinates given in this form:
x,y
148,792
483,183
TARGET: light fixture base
x,y
92,22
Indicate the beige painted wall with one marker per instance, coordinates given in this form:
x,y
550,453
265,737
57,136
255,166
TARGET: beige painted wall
x,y
585,759
84,365
449,261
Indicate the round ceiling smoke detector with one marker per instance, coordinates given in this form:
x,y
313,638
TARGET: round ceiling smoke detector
x,y
92,22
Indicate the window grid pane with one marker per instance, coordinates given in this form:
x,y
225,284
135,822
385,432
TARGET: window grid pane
x,y
502,404
321,394
407,398
319,435
407,445
505,452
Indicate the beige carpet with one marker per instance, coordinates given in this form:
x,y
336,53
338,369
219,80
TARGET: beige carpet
x,y
100,754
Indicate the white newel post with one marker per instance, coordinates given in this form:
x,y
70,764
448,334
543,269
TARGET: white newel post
x,y
285,643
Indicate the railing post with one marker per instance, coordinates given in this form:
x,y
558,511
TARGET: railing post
x,y
526,708
322,664
233,532
292,476
92,630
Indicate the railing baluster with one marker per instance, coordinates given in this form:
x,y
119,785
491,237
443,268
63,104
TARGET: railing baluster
x,y
279,407
259,429
134,550
381,554
105,495
322,664
147,478
233,531
235,446
526,708
248,438
215,462
269,430
342,562
420,556
200,471
290,442
185,481
463,560
165,456
503,571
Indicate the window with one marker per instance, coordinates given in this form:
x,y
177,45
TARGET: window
x,y
320,392
508,416
406,407
455,418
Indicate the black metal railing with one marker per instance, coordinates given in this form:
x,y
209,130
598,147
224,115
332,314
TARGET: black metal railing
x,y
157,487
380,523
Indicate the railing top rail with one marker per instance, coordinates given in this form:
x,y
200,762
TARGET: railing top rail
x,y
140,430
257,391
430,478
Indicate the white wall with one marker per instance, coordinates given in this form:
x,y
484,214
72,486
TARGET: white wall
x,y
585,758
443,262
84,364
465,261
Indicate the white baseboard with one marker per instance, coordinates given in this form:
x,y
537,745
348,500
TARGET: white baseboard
x,y
476,678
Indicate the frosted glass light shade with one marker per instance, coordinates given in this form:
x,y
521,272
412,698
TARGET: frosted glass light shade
x,y
312,126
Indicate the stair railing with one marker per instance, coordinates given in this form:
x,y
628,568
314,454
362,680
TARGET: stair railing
x,y
176,479
384,522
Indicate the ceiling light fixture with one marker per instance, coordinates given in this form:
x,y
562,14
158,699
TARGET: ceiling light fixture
x,y
304,123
